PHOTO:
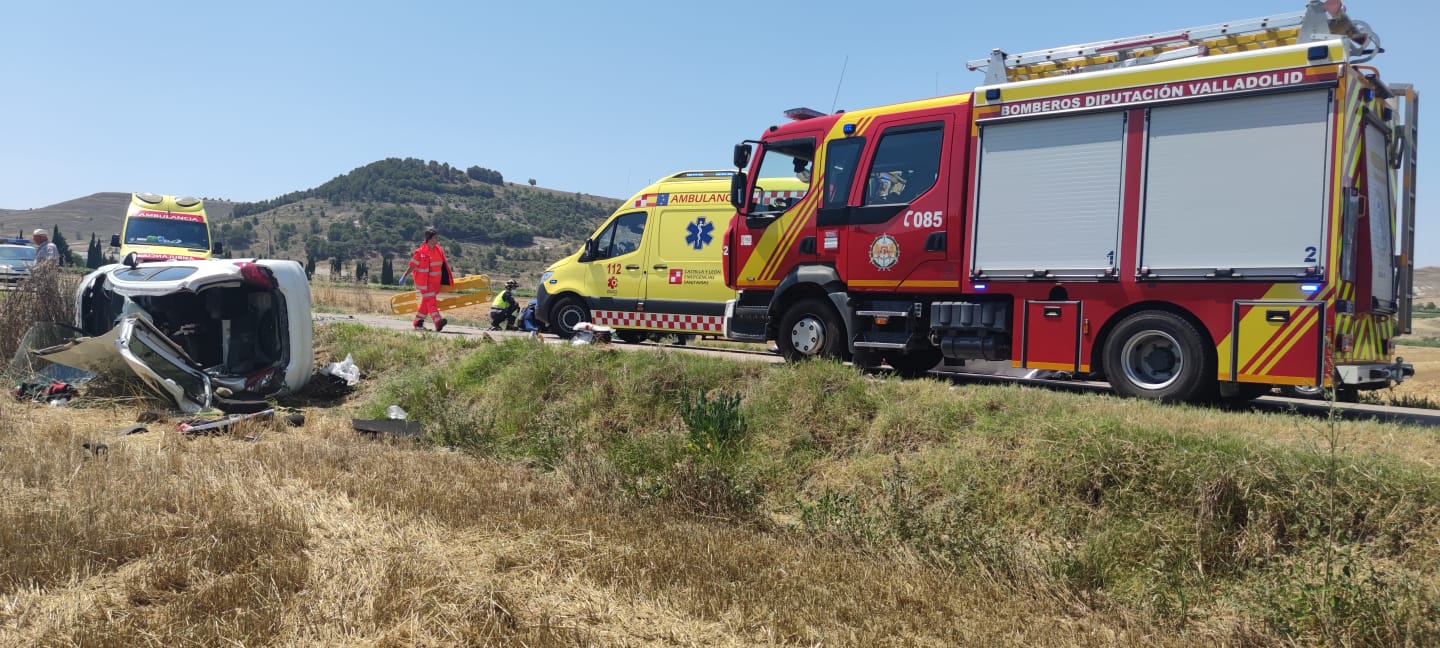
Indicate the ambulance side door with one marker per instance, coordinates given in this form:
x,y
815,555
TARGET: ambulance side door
x,y
617,276
684,264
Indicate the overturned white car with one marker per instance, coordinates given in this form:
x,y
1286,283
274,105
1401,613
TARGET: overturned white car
x,y
190,328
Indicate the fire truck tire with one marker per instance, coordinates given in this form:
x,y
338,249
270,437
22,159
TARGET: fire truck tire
x,y
566,313
811,329
1158,355
915,363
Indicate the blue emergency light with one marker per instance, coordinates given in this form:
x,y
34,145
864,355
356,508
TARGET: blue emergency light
x,y
849,129
1309,288
981,286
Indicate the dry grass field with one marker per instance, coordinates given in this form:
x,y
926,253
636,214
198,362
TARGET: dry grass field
x,y
576,497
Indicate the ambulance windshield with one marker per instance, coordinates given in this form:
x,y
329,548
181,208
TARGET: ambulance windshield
x,y
784,175
173,233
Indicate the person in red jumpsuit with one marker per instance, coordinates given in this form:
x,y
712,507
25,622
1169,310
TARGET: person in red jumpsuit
x,y
430,270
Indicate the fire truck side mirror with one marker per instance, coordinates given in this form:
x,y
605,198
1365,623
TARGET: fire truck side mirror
x,y
738,194
742,155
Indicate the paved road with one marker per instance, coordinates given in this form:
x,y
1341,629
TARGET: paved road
x,y
989,373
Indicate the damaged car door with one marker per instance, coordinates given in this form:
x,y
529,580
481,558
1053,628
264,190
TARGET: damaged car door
x,y
136,345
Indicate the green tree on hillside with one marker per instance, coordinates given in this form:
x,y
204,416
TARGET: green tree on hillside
x,y
387,271
63,245
94,254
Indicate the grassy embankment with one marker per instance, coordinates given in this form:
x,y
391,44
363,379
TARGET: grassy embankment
x,y
620,498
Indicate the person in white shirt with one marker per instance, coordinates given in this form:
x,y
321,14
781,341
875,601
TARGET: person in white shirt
x,y
46,252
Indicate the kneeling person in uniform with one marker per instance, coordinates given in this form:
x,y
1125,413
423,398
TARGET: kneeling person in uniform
x,y
504,308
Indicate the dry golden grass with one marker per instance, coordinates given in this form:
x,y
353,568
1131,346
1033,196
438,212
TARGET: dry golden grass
x,y
316,537
1425,384
45,296
350,298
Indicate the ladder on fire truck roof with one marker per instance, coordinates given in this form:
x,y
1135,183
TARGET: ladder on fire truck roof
x,y
1321,20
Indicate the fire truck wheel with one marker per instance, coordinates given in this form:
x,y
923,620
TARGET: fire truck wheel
x,y
811,328
1158,355
566,314
915,363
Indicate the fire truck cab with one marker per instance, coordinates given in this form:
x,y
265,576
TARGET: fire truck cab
x,y
1191,215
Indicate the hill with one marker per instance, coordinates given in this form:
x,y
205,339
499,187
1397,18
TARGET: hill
x,y
380,209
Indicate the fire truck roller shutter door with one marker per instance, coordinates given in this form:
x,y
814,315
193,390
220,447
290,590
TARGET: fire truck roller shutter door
x,y
1238,183
1060,176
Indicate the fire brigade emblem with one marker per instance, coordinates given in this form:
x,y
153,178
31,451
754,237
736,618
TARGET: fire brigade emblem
x,y
699,233
885,252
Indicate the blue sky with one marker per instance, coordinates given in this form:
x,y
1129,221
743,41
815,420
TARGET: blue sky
x,y
251,100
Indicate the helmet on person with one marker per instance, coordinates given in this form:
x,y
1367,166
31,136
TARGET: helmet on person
x,y
512,284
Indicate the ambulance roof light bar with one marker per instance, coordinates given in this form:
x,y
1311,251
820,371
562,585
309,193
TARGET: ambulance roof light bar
x,y
1321,20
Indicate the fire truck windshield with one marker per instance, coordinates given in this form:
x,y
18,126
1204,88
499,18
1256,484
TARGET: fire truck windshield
x,y
173,233
781,165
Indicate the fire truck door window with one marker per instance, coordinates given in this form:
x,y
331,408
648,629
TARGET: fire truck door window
x,y
1237,184
905,165
841,158
621,237
784,175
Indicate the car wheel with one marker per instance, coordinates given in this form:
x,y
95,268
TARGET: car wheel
x,y
811,329
1158,355
915,363
566,314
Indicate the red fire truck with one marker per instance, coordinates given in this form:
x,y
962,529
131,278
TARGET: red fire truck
x,y
1197,214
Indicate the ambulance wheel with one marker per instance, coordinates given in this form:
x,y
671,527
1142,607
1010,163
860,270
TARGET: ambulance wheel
x,y
811,329
629,336
566,314
915,363
1159,355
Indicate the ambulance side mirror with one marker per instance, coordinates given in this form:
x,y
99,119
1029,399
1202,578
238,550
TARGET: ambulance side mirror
x,y
739,197
589,252
742,155
114,240
218,249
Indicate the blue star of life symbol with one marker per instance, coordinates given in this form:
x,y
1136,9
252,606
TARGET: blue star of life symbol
x,y
699,233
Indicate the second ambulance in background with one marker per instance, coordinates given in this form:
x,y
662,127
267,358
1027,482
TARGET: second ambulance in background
x,y
165,228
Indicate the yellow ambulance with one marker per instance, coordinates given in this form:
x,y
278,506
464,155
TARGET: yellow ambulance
x,y
653,267
165,228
